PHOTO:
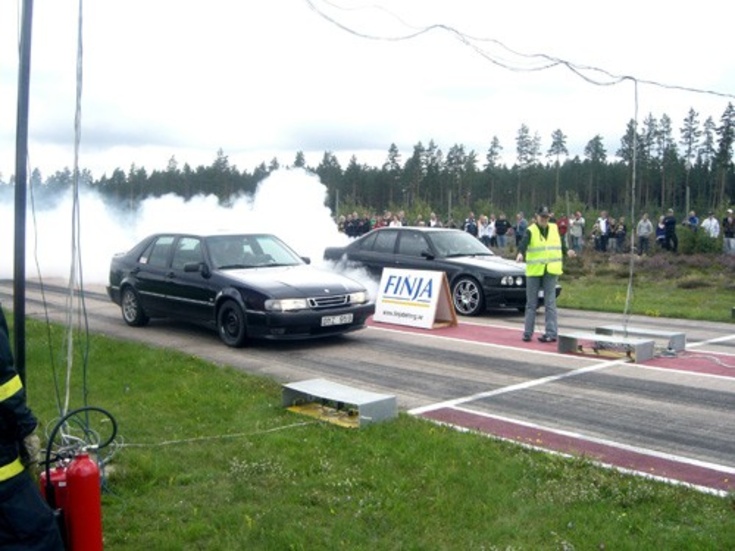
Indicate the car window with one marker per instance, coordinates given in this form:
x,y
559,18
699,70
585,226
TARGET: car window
x,y
156,255
188,249
458,243
230,251
274,251
249,251
412,244
385,242
368,242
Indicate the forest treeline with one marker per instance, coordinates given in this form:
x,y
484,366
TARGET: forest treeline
x,y
657,166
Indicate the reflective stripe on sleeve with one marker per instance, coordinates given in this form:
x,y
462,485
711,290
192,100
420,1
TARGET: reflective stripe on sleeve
x,y
10,388
10,470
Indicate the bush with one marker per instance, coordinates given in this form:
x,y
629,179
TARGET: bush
x,y
692,242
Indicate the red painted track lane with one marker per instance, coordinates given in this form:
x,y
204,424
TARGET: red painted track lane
x,y
691,361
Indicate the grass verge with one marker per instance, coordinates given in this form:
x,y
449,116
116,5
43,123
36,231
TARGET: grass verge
x,y
697,287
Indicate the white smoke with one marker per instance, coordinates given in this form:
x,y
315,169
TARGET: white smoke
x,y
288,203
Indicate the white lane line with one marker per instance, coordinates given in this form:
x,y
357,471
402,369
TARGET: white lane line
x,y
609,443
514,388
711,341
686,372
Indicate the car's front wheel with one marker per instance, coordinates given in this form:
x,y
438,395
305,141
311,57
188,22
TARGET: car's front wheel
x,y
231,324
468,297
132,311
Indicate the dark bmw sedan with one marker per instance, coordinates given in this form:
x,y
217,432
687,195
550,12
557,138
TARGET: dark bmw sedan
x,y
478,278
245,286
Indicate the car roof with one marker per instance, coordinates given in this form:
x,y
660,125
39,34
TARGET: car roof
x,y
426,229
215,233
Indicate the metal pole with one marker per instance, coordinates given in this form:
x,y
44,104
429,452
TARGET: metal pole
x,y
449,206
21,182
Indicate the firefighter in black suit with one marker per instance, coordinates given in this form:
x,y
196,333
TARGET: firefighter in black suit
x,y
26,521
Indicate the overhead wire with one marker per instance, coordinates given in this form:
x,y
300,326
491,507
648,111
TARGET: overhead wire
x,y
546,61
76,281
631,260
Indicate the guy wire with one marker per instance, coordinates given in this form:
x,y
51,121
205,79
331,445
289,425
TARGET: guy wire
x,y
631,261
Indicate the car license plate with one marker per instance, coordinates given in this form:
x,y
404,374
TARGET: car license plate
x,y
336,320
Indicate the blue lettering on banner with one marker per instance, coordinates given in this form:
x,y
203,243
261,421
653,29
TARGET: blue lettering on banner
x,y
416,289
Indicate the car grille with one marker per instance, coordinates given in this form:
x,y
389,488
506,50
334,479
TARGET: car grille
x,y
329,301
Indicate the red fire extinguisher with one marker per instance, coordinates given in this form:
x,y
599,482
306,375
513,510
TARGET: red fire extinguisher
x,y
53,490
57,476
74,489
83,512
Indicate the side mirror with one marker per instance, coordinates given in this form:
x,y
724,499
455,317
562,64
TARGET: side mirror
x,y
198,267
306,259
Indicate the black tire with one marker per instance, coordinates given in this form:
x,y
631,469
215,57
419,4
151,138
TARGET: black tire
x,y
231,324
132,312
468,297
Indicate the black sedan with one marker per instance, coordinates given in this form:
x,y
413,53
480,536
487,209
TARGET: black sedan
x,y
245,286
478,278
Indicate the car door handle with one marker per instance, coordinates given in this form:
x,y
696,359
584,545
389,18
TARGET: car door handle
x,y
171,275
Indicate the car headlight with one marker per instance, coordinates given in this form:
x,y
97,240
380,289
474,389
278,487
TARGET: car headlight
x,y
360,297
511,281
519,281
286,304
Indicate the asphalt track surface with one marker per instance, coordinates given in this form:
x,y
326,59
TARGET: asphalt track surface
x,y
670,417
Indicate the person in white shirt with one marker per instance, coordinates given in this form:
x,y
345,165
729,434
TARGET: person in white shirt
x,y
644,230
576,232
434,221
603,223
485,231
711,225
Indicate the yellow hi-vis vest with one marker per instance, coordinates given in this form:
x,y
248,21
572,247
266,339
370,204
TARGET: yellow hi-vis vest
x,y
544,255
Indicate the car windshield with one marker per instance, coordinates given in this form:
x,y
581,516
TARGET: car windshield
x,y
458,243
250,251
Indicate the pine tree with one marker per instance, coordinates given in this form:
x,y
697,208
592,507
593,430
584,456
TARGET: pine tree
x,y
557,149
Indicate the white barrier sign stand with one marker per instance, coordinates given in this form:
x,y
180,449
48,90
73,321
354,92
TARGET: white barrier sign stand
x,y
418,298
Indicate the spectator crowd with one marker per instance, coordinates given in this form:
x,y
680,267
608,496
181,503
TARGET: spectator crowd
x,y
606,234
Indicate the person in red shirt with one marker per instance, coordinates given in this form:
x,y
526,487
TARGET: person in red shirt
x,y
563,225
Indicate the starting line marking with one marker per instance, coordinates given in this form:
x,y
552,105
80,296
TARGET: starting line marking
x,y
710,341
513,388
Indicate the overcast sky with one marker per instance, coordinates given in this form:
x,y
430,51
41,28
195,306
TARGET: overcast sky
x,y
265,79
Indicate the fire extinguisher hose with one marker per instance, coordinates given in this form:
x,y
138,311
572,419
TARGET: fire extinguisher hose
x,y
47,461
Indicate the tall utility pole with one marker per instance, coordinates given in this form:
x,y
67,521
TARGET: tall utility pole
x,y
21,183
